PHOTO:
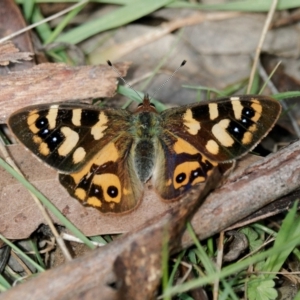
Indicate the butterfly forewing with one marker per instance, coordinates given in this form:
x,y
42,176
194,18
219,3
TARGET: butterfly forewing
x,y
226,129
67,136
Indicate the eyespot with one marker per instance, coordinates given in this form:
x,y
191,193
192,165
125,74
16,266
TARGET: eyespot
x,y
41,122
54,140
112,191
44,132
196,173
180,177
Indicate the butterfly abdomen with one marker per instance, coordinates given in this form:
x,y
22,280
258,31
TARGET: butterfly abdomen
x,y
144,159
145,128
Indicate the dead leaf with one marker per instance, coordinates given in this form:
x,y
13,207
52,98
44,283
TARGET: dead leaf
x,y
238,244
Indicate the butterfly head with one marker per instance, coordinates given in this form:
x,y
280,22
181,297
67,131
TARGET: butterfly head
x,y
146,105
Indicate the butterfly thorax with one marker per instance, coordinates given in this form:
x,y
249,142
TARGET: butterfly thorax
x,y
145,129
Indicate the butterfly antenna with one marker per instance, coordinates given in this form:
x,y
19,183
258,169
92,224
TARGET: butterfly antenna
x,y
120,76
168,79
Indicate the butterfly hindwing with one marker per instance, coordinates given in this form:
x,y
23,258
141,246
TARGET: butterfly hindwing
x,y
184,165
106,182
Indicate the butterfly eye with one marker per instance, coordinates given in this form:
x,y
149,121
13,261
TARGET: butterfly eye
x,y
142,104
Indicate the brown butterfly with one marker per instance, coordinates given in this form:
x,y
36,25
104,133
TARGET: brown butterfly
x,y
105,156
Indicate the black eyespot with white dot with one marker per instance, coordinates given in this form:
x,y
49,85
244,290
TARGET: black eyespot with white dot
x,y
237,130
112,191
248,112
41,122
196,173
54,139
85,183
43,133
96,191
180,178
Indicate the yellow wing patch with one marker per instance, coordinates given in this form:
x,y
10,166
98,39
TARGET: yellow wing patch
x,y
98,129
193,126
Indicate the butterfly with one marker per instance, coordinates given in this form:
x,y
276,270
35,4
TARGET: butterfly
x,y
105,156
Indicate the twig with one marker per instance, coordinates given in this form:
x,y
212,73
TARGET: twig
x,y
260,43
43,21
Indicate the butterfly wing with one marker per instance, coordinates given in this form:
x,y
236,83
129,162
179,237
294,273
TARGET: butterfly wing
x,y
107,182
195,138
224,129
184,167
88,146
66,136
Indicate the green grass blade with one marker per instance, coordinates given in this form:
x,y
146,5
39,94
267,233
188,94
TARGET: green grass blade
x,y
28,7
231,269
289,229
4,284
245,5
138,96
284,95
44,30
22,254
60,27
121,16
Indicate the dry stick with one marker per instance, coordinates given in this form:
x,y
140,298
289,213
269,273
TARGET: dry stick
x,y
72,238
42,21
219,264
44,212
260,43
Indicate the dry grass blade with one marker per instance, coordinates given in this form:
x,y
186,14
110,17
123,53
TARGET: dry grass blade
x,y
260,43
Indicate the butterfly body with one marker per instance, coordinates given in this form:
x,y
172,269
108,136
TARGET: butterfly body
x,y
105,156
146,130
